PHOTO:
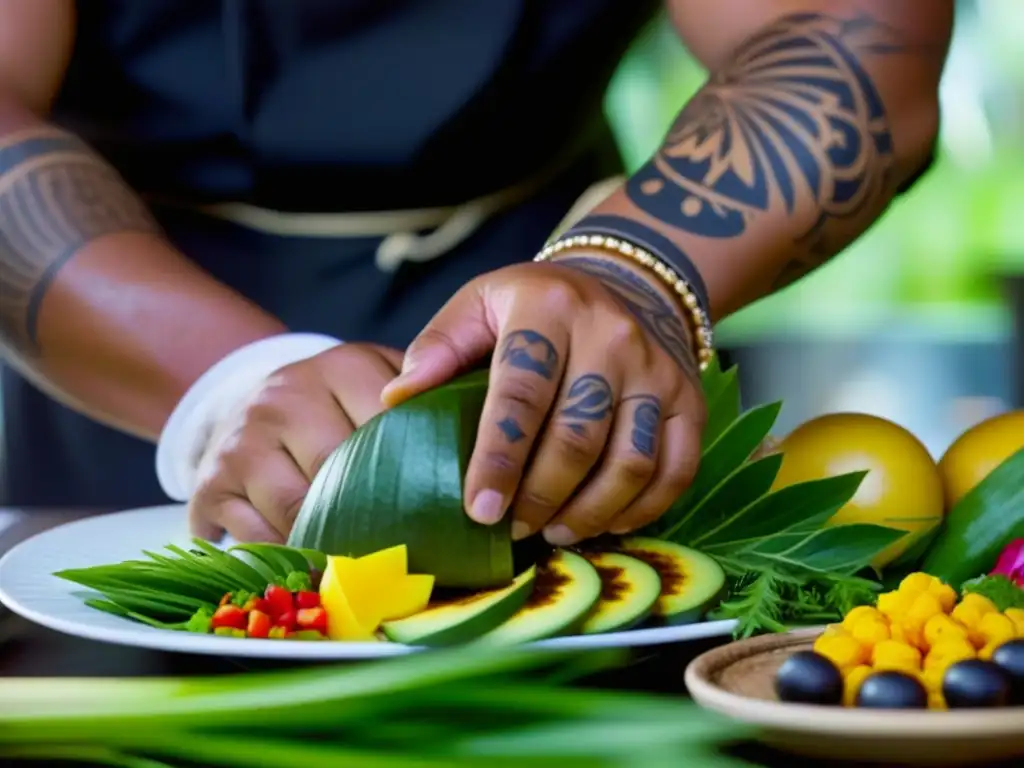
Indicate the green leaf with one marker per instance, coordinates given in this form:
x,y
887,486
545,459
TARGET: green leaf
x,y
241,572
980,525
772,515
718,463
743,487
722,396
840,548
399,480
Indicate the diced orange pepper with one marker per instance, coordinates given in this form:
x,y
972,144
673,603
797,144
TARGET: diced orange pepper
x,y
229,616
259,624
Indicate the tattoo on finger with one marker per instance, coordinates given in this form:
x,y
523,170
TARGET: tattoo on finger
x,y
646,421
530,351
589,400
511,430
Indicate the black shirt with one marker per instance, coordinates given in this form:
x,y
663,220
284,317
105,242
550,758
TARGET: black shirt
x,y
340,104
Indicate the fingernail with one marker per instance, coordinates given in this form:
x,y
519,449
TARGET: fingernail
x,y
560,535
621,531
520,530
408,363
488,507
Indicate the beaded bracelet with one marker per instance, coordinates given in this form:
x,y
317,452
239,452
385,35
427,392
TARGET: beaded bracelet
x,y
700,321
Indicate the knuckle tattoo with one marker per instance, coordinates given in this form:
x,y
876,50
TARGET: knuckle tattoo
x,y
646,424
528,350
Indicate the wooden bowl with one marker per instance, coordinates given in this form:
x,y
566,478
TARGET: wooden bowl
x,y
738,680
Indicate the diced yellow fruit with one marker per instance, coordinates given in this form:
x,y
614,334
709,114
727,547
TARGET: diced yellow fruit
x,y
406,597
917,582
909,632
1016,615
833,630
842,650
859,613
852,682
941,626
980,602
969,614
932,679
342,623
895,604
996,628
894,655
936,701
925,606
870,631
947,652
945,594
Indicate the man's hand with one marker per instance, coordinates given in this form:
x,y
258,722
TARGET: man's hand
x,y
263,457
594,411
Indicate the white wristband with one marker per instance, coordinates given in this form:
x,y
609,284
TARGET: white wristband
x,y
183,439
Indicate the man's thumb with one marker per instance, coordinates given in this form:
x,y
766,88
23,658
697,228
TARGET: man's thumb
x,y
456,338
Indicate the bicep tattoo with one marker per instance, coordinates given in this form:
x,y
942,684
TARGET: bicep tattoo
x,y
56,196
795,119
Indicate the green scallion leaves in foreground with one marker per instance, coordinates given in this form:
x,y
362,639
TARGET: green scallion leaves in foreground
x,y
436,709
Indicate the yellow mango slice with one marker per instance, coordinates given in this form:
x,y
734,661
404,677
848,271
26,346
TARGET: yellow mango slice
x,y
406,597
342,621
378,588
385,564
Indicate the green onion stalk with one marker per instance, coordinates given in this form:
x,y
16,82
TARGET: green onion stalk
x,y
432,709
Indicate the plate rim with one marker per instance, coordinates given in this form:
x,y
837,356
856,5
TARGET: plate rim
x,y
151,638
979,724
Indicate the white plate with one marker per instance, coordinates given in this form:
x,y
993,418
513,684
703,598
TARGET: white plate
x,y
28,587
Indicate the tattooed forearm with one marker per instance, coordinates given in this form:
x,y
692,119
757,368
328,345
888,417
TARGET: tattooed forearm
x,y
661,320
56,196
793,125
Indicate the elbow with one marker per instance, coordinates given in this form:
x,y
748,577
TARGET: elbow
x,y
916,136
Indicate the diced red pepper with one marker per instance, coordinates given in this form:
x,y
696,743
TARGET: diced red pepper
x,y
229,616
279,600
255,603
307,600
226,599
259,624
278,633
286,620
312,618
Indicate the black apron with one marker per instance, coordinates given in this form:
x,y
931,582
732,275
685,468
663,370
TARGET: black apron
x,y
321,105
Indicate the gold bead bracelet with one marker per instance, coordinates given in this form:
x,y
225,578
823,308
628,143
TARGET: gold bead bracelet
x,y
700,323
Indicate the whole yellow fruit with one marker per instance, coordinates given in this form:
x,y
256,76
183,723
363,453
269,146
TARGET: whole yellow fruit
x,y
978,451
903,487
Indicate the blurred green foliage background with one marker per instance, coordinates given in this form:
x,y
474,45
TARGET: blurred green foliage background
x,y
936,259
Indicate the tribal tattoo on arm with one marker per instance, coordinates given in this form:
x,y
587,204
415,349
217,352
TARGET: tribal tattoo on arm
x,y
793,123
56,196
